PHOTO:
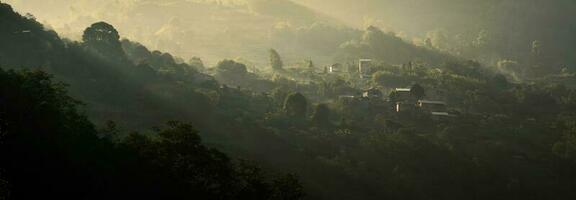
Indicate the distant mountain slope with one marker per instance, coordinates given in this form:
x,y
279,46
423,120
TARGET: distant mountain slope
x,y
208,29
485,30
214,30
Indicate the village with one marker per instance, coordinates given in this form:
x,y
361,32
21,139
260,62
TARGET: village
x,y
406,99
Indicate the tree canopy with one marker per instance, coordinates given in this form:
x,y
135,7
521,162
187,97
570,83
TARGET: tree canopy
x,y
296,105
417,91
104,38
275,60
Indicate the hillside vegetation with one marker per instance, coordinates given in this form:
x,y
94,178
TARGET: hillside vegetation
x,y
109,117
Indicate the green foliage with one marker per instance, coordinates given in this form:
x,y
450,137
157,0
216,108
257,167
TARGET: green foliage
x,y
502,140
197,63
230,67
565,148
296,106
376,44
310,65
275,60
321,116
388,79
206,171
417,91
43,128
231,72
101,33
284,188
104,38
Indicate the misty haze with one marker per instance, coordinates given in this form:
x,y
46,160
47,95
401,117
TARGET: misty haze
x,y
288,99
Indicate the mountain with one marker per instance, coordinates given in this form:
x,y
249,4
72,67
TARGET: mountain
x,y
124,82
207,29
485,30
450,128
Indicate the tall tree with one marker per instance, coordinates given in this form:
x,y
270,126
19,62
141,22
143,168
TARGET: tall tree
x,y
197,63
104,38
417,91
231,67
275,60
231,72
310,64
296,105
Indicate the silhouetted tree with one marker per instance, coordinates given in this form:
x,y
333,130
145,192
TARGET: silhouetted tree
x,y
275,60
231,72
296,105
104,38
197,63
231,67
429,43
417,91
310,65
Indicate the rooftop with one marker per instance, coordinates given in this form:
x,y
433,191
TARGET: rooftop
x,y
402,89
440,114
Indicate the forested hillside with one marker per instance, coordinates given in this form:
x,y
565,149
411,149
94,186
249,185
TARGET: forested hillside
x,y
387,119
239,29
48,146
485,30
207,28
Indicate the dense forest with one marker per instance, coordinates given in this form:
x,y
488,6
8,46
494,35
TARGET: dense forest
x,y
375,116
